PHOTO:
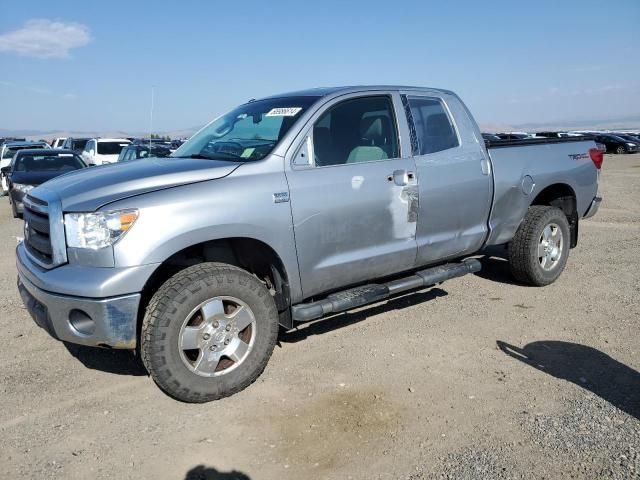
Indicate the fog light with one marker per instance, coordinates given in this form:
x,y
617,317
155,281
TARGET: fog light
x,y
81,322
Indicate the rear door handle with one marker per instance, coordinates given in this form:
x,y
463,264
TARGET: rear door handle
x,y
400,177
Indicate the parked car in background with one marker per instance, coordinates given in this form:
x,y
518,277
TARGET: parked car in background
x,y
75,144
58,142
32,167
137,152
152,141
99,151
175,144
513,136
615,144
490,136
7,152
629,138
548,134
558,134
4,140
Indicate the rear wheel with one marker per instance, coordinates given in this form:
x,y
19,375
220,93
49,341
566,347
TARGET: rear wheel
x,y
208,332
621,150
538,251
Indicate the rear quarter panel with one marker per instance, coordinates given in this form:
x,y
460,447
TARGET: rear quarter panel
x,y
546,164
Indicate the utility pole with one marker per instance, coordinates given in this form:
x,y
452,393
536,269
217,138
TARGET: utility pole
x,y
151,117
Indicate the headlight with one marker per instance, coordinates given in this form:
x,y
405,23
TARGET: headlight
x,y
631,144
21,187
99,229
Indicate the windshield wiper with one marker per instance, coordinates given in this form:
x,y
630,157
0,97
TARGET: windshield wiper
x,y
198,156
219,156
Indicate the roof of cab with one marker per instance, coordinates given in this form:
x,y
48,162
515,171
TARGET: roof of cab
x,y
325,91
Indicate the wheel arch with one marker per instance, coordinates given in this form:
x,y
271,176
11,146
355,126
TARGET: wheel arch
x,y
251,254
562,196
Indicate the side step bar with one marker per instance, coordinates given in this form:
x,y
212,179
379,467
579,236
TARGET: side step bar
x,y
359,296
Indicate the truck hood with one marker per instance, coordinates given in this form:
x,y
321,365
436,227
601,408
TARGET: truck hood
x,y
89,189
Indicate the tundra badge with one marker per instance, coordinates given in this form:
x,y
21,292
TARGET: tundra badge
x,y
280,197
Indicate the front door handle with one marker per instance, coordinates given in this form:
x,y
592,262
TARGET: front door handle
x,y
485,166
399,177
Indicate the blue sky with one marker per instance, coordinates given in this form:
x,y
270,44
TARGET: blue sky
x,y
74,65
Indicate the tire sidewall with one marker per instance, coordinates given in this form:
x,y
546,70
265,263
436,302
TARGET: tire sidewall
x,y
166,363
556,216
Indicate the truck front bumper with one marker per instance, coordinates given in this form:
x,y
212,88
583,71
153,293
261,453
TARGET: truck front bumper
x,y
108,322
84,305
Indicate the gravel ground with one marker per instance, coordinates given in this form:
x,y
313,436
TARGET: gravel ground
x,y
480,378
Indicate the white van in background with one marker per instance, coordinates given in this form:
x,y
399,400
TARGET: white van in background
x,y
57,142
99,151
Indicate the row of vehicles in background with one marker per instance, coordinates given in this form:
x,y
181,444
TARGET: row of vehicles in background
x,y
608,142
27,164
99,151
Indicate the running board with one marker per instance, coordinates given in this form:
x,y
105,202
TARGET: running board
x,y
359,296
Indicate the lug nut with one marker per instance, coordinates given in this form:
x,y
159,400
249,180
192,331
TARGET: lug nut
x,y
206,336
216,324
212,347
226,342
227,328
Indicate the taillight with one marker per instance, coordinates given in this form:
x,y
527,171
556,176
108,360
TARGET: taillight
x,y
597,157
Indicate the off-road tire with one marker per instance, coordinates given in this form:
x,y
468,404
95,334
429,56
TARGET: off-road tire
x,y
168,309
523,248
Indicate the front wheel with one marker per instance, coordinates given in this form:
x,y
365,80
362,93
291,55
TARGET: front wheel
x,y
208,332
539,250
621,150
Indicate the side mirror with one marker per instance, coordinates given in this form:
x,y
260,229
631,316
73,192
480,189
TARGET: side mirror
x,y
92,152
6,170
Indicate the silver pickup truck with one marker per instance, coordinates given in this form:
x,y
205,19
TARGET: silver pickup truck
x,y
285,210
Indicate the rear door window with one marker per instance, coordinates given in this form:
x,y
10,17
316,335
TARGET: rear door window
x,y
434,130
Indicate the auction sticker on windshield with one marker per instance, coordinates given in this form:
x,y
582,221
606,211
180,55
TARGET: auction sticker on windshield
x,y
284,112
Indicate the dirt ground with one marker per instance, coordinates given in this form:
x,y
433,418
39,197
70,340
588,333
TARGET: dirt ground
x,y
478,378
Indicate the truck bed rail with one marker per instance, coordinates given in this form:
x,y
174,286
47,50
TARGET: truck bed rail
x,y
535,141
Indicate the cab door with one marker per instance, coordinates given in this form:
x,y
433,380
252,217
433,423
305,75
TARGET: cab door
x,y
454,171
353,194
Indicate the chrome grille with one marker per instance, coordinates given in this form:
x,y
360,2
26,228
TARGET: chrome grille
x,y
44,232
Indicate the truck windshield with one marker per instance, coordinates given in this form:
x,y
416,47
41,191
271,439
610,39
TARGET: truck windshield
x,y
250,132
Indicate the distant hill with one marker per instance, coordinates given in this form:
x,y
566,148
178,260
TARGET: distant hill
x,y
51,134
629,122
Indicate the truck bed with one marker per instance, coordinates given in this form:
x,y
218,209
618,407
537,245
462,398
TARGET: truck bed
x,y
524,169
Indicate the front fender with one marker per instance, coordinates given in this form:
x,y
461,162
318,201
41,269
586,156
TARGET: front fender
x,y
240,205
